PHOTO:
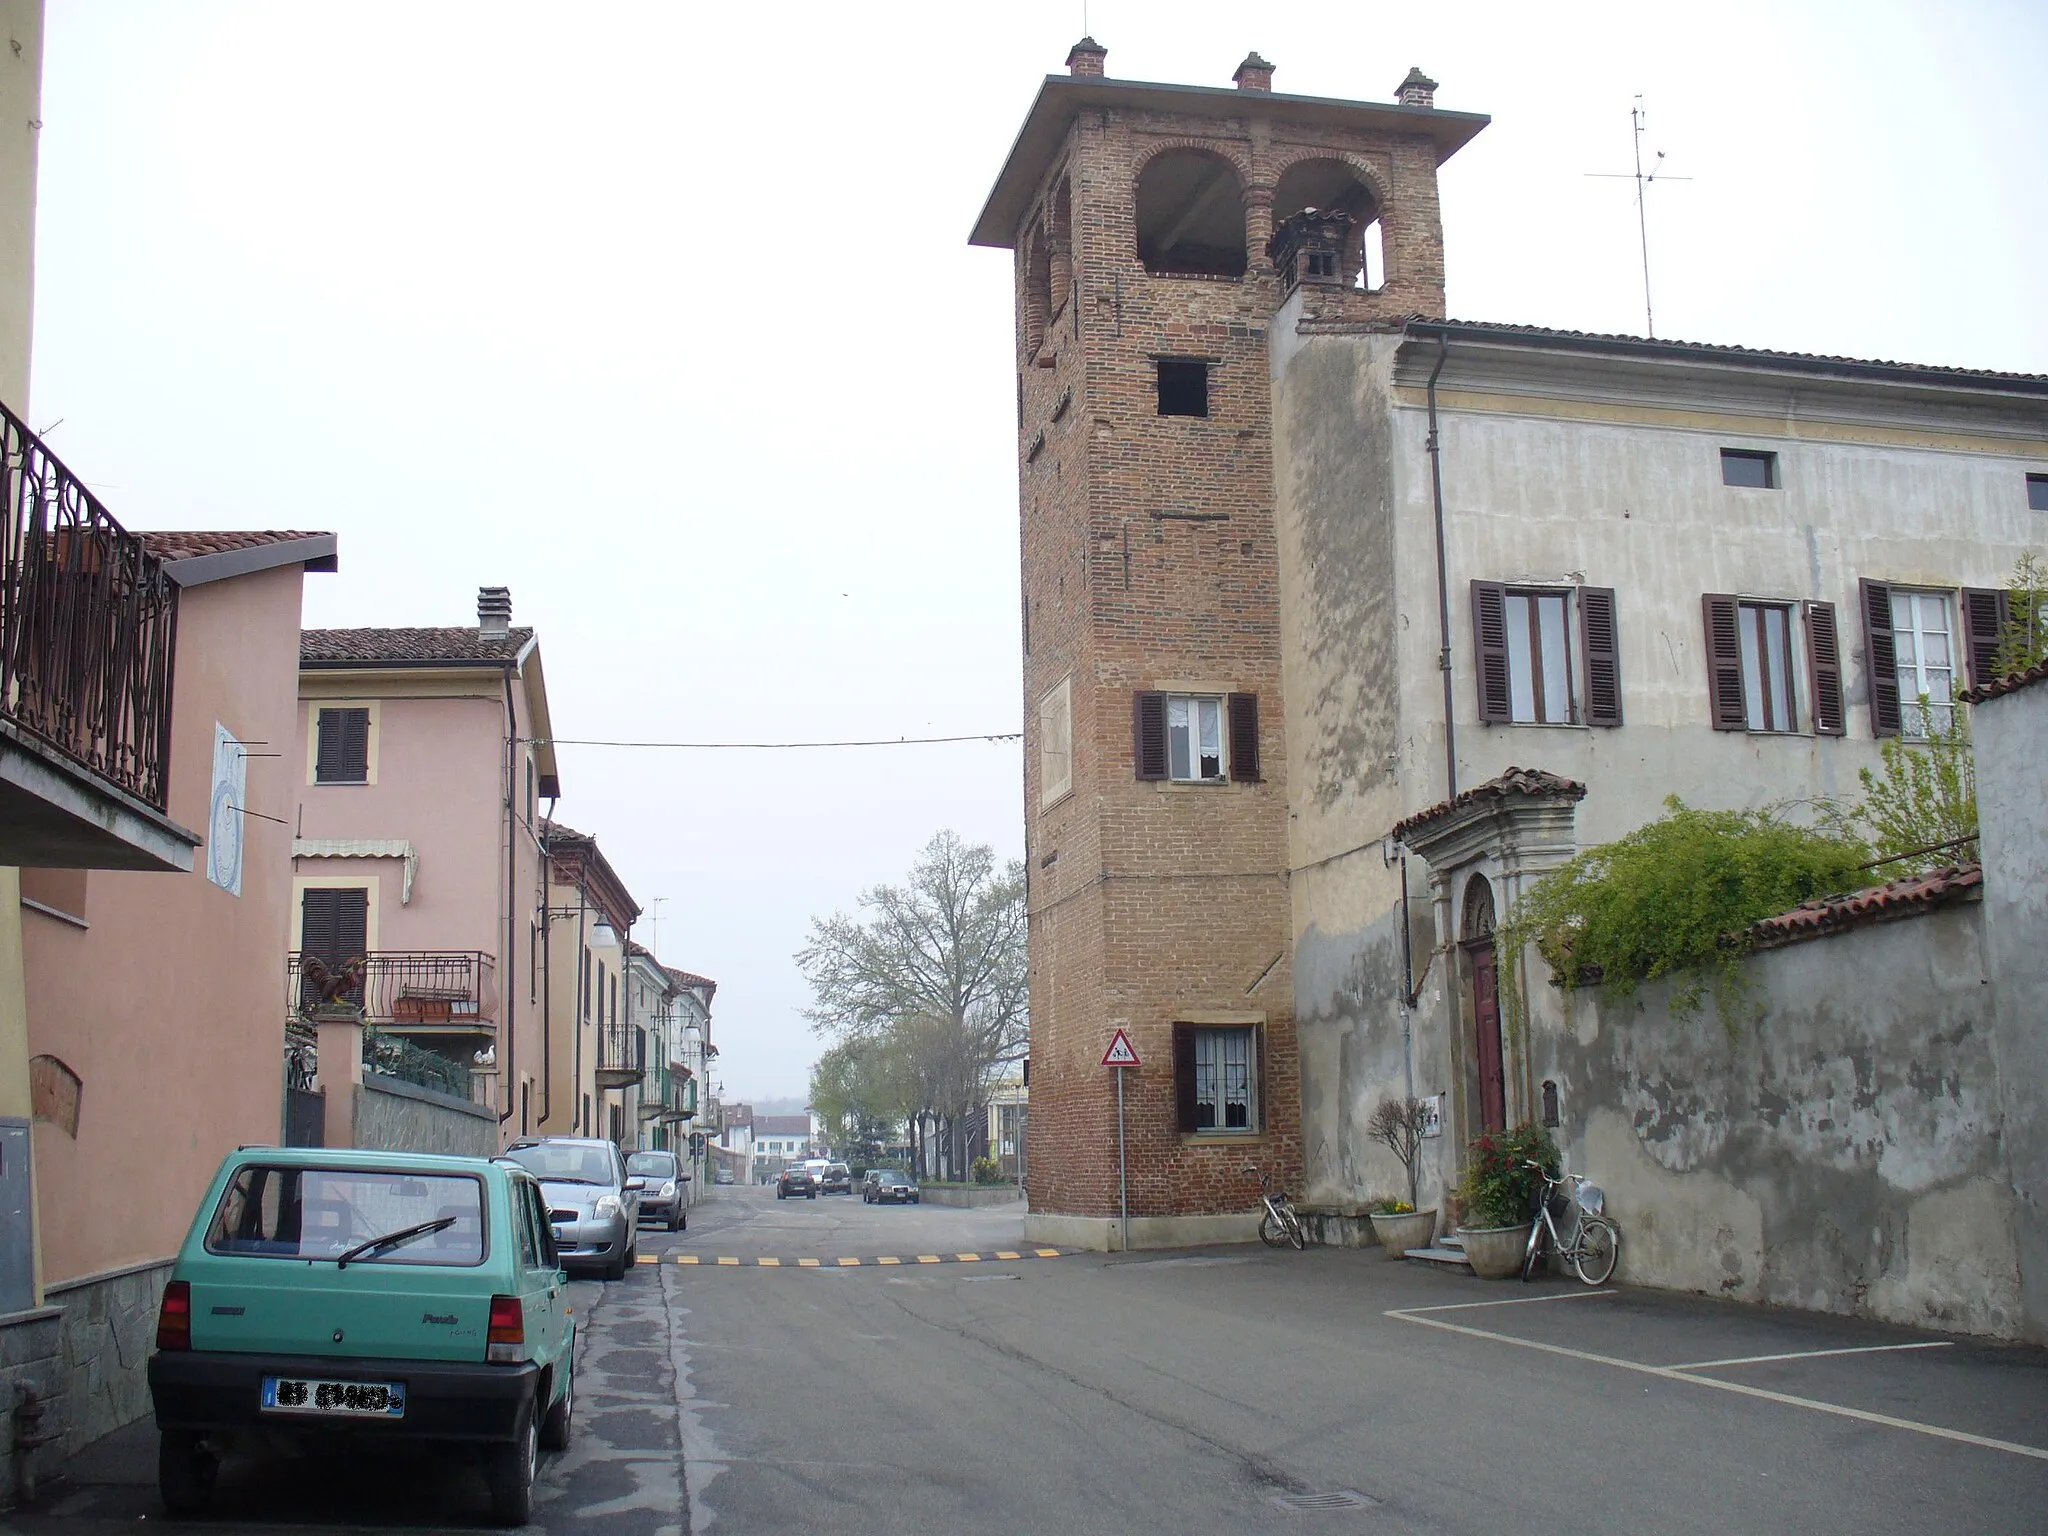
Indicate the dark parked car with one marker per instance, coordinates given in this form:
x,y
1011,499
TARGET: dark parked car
x,y
664,1188
889,1187
837,1180
796,1180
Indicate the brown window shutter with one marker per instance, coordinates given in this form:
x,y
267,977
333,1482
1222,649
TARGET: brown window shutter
x,y
1184,1076
1986,612
1244,737
1880,658
1600,639
351,924
1261,1117
316,925
1824,670
1149,726
327,750
1490,650
1724,662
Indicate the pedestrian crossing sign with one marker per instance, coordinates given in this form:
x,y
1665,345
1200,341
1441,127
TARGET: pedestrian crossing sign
x,y
1120,1052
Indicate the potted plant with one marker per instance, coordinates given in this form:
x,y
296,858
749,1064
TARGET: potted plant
x,y
1498,1196
1398,1125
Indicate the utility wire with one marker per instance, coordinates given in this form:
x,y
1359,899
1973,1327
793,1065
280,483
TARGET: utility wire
x,y
766,746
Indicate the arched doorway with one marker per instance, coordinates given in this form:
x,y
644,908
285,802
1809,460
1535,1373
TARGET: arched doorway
x,y
1475,937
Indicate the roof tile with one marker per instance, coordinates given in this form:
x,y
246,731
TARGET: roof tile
x,y
454,646
1908,897
191,544
2012,682
1512,781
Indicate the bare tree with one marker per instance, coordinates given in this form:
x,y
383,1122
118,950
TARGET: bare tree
x,y
934,968
1398,1125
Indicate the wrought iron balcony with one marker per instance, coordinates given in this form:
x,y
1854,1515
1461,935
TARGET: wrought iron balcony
x,y
621,1056
417,991
88,628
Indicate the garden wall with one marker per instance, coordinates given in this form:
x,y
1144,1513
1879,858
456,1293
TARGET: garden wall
x,y
396,1116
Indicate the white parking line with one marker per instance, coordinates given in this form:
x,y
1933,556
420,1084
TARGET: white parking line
x,y
1673,1373
1512,1301
1807,1354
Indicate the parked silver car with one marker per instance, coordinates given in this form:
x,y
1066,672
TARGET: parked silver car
x,y
664,1187
596,1216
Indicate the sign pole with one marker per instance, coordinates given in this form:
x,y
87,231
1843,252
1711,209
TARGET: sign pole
x,y
1123,1187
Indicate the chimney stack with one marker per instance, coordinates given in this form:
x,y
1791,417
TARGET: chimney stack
x,y
1254,74
1418,90
493,612
1085,58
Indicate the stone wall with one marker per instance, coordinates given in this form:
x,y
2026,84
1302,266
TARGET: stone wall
x,y
31,1345
394,1116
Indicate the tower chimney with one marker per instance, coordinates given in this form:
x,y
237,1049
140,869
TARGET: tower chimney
x,y
1254,74
493,612
1418,90
1085,58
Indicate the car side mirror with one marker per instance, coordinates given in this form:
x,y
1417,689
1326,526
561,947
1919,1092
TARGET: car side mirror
x,y
636,1183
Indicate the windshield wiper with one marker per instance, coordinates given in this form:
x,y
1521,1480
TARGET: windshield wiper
x,y
564,1178
393,1239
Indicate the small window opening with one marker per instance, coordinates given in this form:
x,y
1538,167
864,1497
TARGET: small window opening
x,y
2037,492
1183,387
1190,216
1322,263
1753,471
1334,187
1374,273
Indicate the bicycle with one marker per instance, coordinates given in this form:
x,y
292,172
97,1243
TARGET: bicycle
x,y
1595,1239
1279,1227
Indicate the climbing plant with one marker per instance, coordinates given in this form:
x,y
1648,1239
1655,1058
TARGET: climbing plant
x,y
1919,810
1676,897
2024,640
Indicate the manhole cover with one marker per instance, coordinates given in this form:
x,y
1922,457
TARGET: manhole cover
x,y
1322,1503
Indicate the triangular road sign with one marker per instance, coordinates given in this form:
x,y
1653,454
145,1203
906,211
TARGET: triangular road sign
x,y
1120,1052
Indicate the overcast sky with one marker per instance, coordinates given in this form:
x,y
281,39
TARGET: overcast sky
x,y
663,315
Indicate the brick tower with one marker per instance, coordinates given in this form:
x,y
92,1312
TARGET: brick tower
x,y
1143,219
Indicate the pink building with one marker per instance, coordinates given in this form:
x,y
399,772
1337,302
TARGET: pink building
x,y
420,759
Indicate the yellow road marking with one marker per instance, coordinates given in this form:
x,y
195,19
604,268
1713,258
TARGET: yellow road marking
x,y
807,1263
731,1263
1002,1255
888,1261
1047,1253
968,1258
688,1258
849,1263
927,1258
646,1258
769,1263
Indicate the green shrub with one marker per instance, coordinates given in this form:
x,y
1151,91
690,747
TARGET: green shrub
x,y
986,1170
1499,1189
1388,1206
1674,897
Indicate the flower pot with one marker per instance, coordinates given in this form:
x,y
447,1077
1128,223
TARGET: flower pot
x,y
1495,1252
1397,1234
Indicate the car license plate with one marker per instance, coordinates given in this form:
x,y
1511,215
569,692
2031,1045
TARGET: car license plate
x,y
353,1399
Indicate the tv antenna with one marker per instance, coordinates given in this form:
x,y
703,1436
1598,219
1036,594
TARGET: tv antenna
x,y
1637,119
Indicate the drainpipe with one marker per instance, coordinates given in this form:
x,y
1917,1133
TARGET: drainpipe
x,y
547,980
1443,587
583,979
508,994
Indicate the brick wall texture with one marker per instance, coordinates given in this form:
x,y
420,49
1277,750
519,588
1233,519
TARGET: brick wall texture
x,y
1149,562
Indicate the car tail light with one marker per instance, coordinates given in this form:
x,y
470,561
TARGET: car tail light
x,y
174,1317
506,1340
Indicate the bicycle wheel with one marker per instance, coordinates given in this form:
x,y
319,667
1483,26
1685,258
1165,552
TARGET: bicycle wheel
x,y
1297,1234
1598,1247
1534,1250
1273,1229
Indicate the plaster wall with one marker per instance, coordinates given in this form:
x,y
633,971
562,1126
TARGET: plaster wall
x,y
21,119
1841,1152
168,998
2011,738
1562,471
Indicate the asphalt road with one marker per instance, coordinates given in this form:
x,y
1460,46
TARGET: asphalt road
x,y
1209,1391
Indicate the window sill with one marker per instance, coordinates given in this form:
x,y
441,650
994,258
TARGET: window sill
x,y
341,783
1183,784
1545,725
1220,1138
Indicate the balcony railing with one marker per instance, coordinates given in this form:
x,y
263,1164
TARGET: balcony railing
x,y
88,622
434,991
621,1056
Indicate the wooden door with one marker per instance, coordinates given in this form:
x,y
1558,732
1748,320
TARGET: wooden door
x,y
1493,1095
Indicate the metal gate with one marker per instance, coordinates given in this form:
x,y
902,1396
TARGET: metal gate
x,y
17,1254
305,1117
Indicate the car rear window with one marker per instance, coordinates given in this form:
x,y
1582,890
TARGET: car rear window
x,y
273,1211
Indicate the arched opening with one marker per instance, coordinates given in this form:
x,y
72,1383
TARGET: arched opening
x,y
1060,252
1191,215
1334,187
1489,1056
1037,293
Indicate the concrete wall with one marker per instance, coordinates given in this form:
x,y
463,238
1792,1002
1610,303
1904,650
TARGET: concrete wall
x,y
394,1116
21,119
2011,736
1842,1153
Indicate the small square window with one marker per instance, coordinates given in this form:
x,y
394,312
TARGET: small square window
x,y
1183,387
1754,471
1194,738
342,747
2037,492
1216,1072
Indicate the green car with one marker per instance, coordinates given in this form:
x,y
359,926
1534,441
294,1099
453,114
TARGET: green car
x,y
369,1295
